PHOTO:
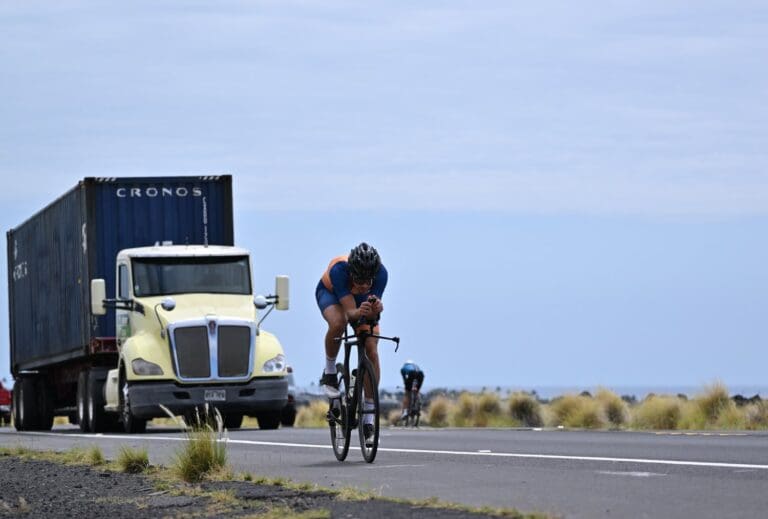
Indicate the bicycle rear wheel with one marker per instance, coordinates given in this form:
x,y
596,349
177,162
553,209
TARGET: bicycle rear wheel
x,y
338,421
415,411
368,449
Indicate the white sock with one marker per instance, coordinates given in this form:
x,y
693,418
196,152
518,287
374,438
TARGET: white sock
x,y
368,406
330,366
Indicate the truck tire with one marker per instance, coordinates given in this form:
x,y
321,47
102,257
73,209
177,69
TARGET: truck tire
x,y
15,406
269,419
233,420
288,415
82,402
27,400
131,424
44,405
99,419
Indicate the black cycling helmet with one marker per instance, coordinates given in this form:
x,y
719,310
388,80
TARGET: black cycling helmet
x,y
364,262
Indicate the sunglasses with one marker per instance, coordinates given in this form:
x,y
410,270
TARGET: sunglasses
x,y
363,281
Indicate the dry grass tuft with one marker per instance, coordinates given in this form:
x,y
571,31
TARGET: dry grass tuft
x,y
614,408
525,409
756,416
577,411
658,413
313,415
133,461
438,411
205,451
393,418
464,410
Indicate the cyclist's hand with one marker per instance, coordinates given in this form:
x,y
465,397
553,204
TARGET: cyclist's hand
x,y
378,306
366,309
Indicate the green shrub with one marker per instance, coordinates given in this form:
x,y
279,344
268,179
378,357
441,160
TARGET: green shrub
x,y
658,412
613,407
133,461
525,409
437,411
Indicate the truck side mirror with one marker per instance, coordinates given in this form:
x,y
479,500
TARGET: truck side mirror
x,y
281,290
98,295
260,302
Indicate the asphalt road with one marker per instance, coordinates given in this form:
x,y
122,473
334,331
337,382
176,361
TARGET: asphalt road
x,y
568,473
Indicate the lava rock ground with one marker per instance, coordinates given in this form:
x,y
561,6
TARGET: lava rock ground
x,y
36,488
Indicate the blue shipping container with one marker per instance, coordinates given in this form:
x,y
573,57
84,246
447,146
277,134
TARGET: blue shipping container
x,y
53,256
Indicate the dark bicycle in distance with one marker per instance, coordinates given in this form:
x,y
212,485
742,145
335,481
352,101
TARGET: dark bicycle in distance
x,y
414,408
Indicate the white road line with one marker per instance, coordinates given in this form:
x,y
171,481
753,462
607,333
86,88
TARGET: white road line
x,y
631,474
682,463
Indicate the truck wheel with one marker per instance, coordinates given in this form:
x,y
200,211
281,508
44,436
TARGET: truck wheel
x,y
82,402
95,402
269,420
44,405
131,424
15,407
288,415
233,420
28,411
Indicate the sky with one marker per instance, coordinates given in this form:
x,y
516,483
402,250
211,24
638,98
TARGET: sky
x,y
564,195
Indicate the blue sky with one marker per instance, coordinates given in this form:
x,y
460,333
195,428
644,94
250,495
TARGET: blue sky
x,y
563,195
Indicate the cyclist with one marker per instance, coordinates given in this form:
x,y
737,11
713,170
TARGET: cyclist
x,y
411,373
344,296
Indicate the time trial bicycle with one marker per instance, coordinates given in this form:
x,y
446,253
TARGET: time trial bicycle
x,y
357,384
414,407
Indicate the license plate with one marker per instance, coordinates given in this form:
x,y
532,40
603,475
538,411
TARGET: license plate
x,y
215,395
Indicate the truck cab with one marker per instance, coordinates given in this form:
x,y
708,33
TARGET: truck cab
x,y
188,339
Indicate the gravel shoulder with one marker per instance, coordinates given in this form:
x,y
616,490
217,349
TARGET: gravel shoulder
x,y
43,488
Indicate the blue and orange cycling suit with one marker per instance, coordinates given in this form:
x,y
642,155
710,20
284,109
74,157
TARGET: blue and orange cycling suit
x,y
337,283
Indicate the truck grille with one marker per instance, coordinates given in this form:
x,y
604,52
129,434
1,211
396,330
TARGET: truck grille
x,y
192,352
234,350
211,351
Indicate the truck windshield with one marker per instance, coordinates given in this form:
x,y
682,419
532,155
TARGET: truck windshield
x,y
210,275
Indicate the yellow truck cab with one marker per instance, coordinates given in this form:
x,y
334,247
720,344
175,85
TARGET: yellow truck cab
x,y
188,335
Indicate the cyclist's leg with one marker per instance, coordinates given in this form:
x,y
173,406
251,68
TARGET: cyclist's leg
x,y
336,319
372,351
408,383
334,316
419,381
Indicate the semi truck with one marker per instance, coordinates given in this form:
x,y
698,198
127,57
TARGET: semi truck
x,y
128,300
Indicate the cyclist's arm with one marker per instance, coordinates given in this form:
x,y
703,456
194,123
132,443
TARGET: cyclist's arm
x,y
350,308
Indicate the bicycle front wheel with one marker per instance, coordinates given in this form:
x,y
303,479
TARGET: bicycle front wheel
x,y
369,428
338,421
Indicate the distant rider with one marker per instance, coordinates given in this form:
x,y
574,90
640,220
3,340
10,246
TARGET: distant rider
x,y
343,297
413,377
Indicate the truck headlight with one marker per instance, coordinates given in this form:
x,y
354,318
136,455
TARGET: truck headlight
x,y
276,363
143,367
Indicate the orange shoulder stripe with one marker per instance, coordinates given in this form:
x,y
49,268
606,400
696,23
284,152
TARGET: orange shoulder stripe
x,y
327,275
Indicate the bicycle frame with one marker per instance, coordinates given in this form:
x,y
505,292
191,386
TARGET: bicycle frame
x,y
351,407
